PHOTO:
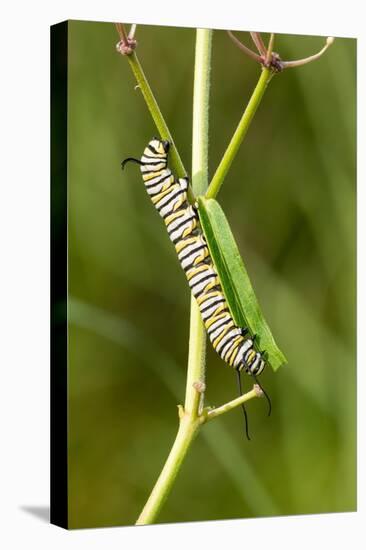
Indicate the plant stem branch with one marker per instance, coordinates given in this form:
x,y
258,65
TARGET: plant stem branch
x,y
257,39
244,48
132,31
269,50
190,418
239,134
214,413
299,62
122,32
156,114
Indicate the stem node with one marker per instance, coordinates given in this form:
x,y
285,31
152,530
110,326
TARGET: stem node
x,y
181,412
258,390
199,386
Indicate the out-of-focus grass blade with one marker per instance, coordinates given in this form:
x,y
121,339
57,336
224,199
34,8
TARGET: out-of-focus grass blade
x,y
234,278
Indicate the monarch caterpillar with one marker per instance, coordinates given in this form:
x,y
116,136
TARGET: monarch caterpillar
x,y
169,196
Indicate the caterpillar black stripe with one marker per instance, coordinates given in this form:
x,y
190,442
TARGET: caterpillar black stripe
x,y
169,196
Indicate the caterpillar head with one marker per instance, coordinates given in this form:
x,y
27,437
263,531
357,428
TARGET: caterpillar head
x,y
156,150
160,147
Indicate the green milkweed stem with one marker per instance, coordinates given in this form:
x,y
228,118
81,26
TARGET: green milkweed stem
x,y
190,419
142,82
186,433
156,114
239,134
214,413
201,91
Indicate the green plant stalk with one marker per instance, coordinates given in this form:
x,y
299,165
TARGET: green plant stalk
x,y
156,114
174,158
190,419
201,93
196,362
239,134
214,413
186,433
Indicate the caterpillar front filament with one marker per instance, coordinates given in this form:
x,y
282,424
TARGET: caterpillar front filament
x,y
169,196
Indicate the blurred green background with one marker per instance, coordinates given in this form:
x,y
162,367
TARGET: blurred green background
x,y
291,200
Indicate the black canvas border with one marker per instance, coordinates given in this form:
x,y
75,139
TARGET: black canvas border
x,y
59,397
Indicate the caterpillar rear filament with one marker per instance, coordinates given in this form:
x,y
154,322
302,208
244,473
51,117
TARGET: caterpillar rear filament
x,y
169,196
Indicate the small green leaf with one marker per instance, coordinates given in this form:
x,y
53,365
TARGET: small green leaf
x,y
235,282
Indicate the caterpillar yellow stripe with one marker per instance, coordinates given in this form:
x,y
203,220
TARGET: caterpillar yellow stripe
x,y
169,196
